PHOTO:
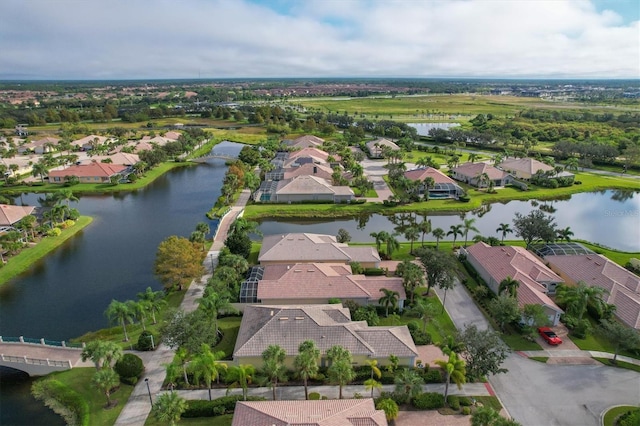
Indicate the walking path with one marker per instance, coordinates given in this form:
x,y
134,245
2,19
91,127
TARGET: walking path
x,y
138,406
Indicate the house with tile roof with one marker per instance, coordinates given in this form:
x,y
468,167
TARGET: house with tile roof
x,y
303,188
317,283
10,214
470,174
306,141
524,168
89,173
327,326
622,286
40,146
537,281
319,248
444,186
375,147
334,412
89,142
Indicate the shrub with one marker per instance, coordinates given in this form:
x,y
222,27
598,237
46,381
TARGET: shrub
x,y
387,378
219,406
54,232
399,398
630,418
145,342
464,198
314,396
432,376
465,401
454,402
357,395
63,400
466,411
373,271
320,377
428,401
129,368
335,301
420,337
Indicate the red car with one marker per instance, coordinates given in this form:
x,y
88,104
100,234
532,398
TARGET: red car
x,y
548,335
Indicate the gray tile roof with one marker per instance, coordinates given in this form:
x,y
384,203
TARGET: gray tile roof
x,y
306,247
288,326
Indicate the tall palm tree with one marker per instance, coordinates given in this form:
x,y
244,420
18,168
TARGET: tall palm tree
x,y
412,233
198,237
341,369
392,244
408,382
120,312
106,380
438,234
425,311
468,226
306,363
427,184
455,230
66,194
241,376
138,311
424,227
203,227
455,370
273,365
412,278
572,163
371,384
103,353
473,157
205,366
213,303
379,237
390,299
509,285
154,301
578,297
183,357
504,229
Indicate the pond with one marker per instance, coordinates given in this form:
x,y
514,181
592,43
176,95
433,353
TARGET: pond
x,y
610,218
423,128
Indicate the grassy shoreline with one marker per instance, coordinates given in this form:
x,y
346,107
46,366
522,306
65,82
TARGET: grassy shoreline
x,y
27,257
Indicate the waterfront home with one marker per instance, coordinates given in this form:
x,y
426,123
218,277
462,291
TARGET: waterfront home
x,y
479,175
301,189
329,412
319,248
121,158
306,141
327,326
494,264
622,287
10,214
377,147
444,186
316,283
89,173
524,168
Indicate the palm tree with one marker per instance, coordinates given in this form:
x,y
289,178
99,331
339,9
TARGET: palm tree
x,y
412,277
392,244
213,303
106,380
203,227
473,157
138,311
468,226
183,356
572,163
375,371
120,312
390,299
509,285
438,234
173,371
205,365
505,229
408,382
198,237
306,363
102,352
169,407
427,184
450,345
241,375
341,369
380,237
578,297
371,384
425,311
455,230
39,169
424,228
273,365
390,408
565,234
153,300
455,370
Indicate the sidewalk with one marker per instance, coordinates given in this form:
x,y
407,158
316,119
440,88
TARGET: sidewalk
x,y
138,406
576,354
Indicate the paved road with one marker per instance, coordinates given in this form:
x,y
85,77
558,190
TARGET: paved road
x,y
374,170
538,394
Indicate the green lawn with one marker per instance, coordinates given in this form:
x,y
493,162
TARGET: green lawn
x,y
79,379
116,334
611,415
230,326
518,343
619,364
224,420
28,256
597,342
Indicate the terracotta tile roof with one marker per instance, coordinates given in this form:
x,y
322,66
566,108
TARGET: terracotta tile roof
x,y
473,170
89,139
310,169
307,185
336,412
42,141
94,169
174,136
326,325
310,152
10,214
382,142
307,247
501,262
322,281
121,158
527,165
423,173
622,286
306,141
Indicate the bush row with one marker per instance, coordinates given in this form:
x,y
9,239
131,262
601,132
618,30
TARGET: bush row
x,y
62,395
217,407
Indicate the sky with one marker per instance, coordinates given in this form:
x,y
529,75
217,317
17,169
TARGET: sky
x,y
149,39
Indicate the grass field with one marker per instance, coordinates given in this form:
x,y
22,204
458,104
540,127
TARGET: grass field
x,y
28,256
79,379
611,415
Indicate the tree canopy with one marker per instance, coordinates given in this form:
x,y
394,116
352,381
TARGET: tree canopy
x,y
178,262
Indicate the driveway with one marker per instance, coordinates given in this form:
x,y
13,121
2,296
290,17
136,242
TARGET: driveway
x,y
374,170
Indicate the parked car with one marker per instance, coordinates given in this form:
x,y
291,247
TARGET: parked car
x,y
548,335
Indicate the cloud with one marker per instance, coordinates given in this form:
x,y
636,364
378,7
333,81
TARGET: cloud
x,y
317,38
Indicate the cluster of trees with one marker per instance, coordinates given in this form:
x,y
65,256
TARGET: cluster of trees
x,y
178,262
148,305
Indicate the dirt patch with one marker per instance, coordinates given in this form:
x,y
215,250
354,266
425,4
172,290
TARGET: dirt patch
x,y
421,418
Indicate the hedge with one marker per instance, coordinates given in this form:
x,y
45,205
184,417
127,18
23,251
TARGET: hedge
x,y
67,398
428,401
217,407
